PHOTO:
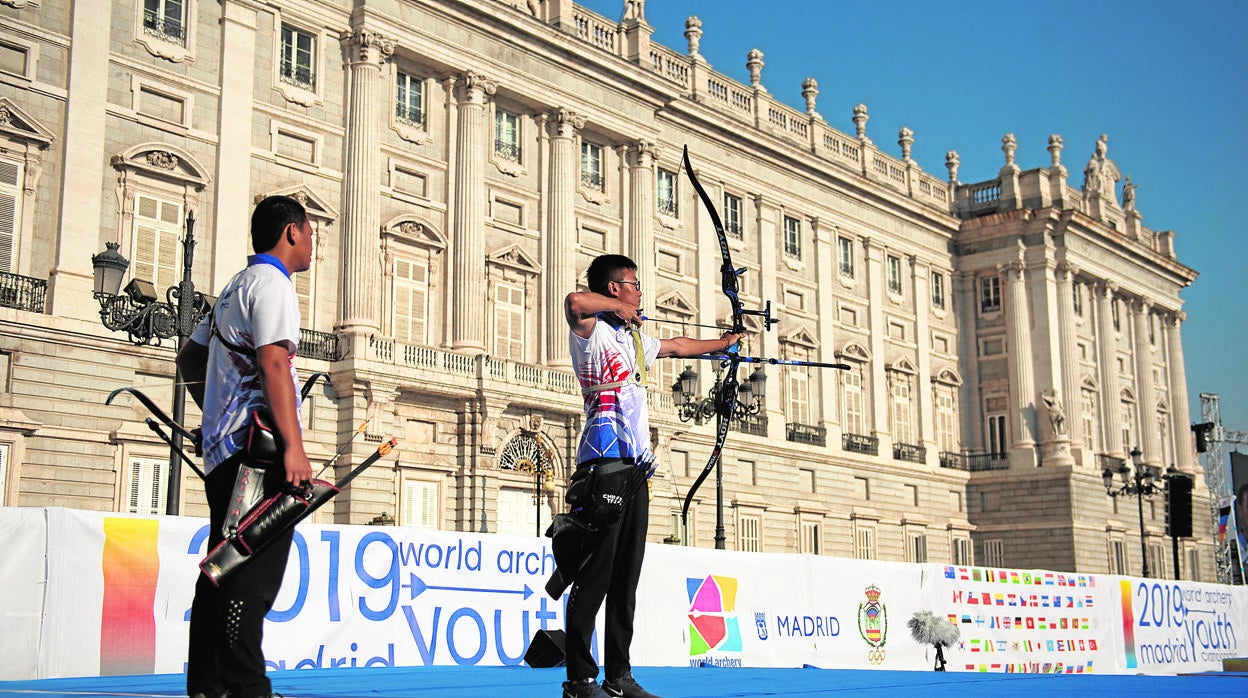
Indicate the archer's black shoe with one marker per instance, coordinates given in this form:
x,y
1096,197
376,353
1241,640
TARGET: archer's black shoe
x,y
627,687
584,688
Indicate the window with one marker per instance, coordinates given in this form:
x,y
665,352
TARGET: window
x,y
806,476
408,182
916,547
1193,562
156,247
852,391
732,216
509,322
1157,561
962,552
145,491
810,541
946,420
166,20
793,237
862,489
912,494
845,256
899,400
298,64
798,393
938,290
591,166
420,504
749,472
409,99
1076,290
667,372
1087,413
159,105
507,135
10,212
994,553
1113,311
666,200
997,437
1117,557
864,542
411,301
894,273
680,463
748,535
1128,426
305,286
990,294
676,529
14,59
4,471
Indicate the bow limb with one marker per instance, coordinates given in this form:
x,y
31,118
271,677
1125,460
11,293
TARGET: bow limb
x,y
151,407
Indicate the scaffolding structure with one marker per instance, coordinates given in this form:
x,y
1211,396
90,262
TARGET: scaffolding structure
x,y
1218,479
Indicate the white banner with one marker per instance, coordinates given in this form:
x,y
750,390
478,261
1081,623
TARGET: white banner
x,y
118,589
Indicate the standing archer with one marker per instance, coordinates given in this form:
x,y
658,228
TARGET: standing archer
x,y
610,356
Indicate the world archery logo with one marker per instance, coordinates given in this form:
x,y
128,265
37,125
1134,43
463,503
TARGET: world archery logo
x,y
713,626
873,624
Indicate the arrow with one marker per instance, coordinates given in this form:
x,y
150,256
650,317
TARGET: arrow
x,y
418,587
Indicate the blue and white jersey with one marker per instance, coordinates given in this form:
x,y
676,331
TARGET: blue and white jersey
x,y
617,421
257,307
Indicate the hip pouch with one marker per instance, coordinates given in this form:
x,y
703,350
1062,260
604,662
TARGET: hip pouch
x,y
597,493
264,444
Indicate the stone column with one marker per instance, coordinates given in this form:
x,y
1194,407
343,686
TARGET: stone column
x,y
1146,400
361,250
1018,339
232,204
879,423
1068,366
468,236
823,241
1106,354
970,410
921,275
639,245
560,271
70,281
1180,418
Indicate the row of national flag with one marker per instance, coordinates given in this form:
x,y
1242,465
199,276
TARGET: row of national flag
x,y
1033,668
1038,578
1029,646
1023,622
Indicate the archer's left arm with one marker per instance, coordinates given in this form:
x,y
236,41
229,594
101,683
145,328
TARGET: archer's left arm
x,y
688,346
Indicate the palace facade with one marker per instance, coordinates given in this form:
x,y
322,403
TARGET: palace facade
x,y
463,160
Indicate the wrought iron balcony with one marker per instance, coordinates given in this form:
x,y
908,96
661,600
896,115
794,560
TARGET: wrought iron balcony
x,y
734,230
910,452
298,75
23,292
860,443
1111,463
668,207
806,434
410,114
319,345
953,460
974,462
591,179
507,151
170,29
755,424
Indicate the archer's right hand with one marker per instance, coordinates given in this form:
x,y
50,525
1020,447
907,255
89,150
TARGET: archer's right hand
x,y
298,469
629,315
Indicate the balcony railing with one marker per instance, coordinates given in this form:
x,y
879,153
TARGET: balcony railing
x,y
592,180
1111,463
319,345
860,443
806,434
974,462
170,29
910,452
668,207
23,292
507,151
755,424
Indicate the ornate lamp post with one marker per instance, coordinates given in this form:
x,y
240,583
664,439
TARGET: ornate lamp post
x,y
1144,481
543,469
146,320
751,396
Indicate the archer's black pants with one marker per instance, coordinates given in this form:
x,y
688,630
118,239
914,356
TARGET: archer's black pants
x,y
612,573
227,622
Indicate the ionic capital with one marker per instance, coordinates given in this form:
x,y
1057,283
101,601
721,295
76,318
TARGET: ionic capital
x,y
366,46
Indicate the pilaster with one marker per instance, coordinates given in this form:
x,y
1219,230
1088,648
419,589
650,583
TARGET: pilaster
x,y
1068,366
878,389
468,236
232,203
968,349
1106,354
921,284
1150,437
639,245
1018,339
361,251
1177,371
560,271
70,281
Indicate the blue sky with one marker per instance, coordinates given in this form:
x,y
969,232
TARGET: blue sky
x,y
1168,82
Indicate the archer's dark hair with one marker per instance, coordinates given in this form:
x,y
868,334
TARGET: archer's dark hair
x,y
604,268
271,218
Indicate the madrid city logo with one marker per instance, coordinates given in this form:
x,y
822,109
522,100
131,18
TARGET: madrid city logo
x,y
873,624
713,627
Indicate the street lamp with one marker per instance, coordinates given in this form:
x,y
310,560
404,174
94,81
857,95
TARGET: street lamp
x,y
543,472
751,397
1145,481
146,320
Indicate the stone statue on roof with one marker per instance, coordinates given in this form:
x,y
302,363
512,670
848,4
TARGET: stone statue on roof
x,y
1101,175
